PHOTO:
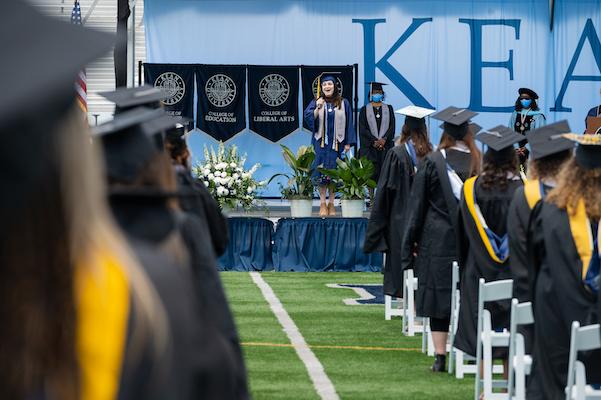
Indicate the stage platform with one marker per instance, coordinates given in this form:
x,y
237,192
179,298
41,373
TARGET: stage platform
x,y
269,240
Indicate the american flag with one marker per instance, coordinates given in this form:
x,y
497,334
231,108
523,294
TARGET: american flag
x,y
81,83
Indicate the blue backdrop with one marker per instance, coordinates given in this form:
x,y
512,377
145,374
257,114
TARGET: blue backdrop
x,y
434,53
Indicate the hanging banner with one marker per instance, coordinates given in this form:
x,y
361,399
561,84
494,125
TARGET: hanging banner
x,y
273,101
177,82
344,81
221,98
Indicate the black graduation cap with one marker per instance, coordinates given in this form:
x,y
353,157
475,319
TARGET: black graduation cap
x,y
455,120
542,142
473,127
500,141
529,92
324,76
128,98
127,142
376,86
588,152
41,57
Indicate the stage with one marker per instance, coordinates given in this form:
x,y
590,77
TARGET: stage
x,y
267,239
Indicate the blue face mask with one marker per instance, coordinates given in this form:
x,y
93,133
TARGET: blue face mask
x,y
377,97
526,103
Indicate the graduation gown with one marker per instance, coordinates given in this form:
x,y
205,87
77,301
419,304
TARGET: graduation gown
x,y
388,218
367,139
204,206
183,239
476,262
560,297
430,224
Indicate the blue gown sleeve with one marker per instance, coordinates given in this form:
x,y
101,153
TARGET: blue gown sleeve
x,y
512,119
308,115
351,136
539,121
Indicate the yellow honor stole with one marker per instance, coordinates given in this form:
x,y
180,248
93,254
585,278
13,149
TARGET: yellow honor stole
x,y
469,188
580,226
532,192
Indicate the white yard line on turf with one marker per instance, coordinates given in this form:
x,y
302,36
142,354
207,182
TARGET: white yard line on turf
x,y
323,384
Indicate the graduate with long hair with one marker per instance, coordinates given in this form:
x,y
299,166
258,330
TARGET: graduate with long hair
x,y
388,216
331,119
482,233
429,244
565,266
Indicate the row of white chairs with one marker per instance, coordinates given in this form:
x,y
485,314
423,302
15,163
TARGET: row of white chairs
x,y
520,363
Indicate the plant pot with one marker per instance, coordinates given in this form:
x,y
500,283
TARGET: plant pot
x,y
301,208
352,208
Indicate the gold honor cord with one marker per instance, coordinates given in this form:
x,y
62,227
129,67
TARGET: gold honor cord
x,y
468,191
532,192
102,293
581,233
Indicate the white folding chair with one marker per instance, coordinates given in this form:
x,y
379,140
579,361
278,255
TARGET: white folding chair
x,y
582,339
520,363
487,338
409,326
392,305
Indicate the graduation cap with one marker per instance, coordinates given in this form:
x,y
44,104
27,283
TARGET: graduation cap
x,y
376,86
455,120
415,116
326,76
500,141
528,92
127,142
39,68
128,98
473,128
588,152
543,144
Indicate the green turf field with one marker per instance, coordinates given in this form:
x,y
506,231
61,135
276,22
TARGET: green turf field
x,y
365,356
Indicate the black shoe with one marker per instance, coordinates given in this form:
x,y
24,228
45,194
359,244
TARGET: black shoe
x,y
439,363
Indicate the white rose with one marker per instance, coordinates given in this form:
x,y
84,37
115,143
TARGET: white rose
x,y
206,172
235,176
226,192
223,174
245,175
206,183
211,177
239,169
233,192
219,191
233,165
249,190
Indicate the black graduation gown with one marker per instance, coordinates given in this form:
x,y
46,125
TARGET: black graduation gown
x,y
367,140
197,361
388,218
476,263
559,299
149,221
431,225
205,207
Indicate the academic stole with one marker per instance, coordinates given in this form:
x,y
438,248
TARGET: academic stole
x,y
469,189
533,190
580,226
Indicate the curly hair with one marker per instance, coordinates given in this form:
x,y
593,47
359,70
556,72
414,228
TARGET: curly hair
x,y
548,167
575,183
494,174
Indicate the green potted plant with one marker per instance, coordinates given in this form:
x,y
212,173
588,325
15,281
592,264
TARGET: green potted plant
x,y
353,177
300,188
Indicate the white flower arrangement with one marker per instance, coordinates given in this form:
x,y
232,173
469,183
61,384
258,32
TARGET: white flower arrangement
x,y
223,173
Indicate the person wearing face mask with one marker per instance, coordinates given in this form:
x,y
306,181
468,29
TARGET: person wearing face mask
x,y
330,117
376,129
526,116
592,121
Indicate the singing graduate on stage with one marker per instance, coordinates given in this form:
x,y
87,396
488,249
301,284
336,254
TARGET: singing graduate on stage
x,y
388,218
547,157
565,249
482,233
525,117
429,238
376,129
331,119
